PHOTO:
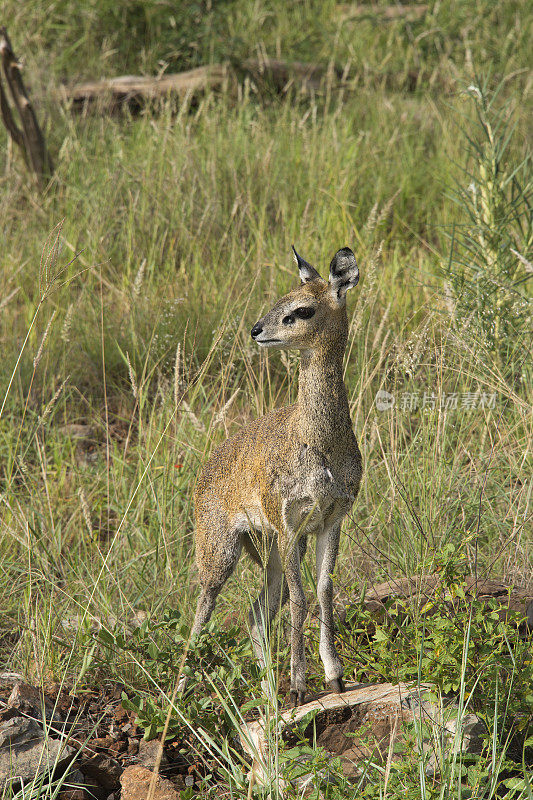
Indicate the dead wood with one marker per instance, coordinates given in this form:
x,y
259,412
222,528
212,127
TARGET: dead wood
x,y
136,91
421,589
279,76
283,75
28,136
413,11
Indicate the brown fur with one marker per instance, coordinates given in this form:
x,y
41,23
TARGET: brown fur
x,y
292,473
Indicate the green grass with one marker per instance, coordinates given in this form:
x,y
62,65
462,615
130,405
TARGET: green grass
x,y
167,236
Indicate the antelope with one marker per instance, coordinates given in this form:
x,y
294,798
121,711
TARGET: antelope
x,y
289,475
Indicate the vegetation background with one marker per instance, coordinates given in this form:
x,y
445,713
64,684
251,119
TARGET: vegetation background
x,y
128,288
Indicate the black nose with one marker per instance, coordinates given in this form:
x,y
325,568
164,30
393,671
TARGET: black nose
x,y
256,330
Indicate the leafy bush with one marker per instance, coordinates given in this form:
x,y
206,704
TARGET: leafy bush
x,y
456,642
217,658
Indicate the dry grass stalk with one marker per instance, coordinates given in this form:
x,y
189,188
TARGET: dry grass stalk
x,y
50,405
177,376
39,353
132,377
220,416
85,511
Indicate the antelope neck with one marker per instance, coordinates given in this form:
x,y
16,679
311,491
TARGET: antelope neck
x,y
324,414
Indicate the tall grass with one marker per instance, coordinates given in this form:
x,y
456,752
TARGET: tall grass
x,y
171,237
490,264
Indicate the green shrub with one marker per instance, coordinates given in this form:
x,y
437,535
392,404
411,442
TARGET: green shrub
x,y
458,643
218,657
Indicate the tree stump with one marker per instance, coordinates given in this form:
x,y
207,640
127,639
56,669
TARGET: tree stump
x,y
28,136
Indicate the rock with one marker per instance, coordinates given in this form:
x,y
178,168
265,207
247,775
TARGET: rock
x,y
102,773
7,679
119,746
133,747
93,625
26,751
28,700
469,741
73,624
365,721
135,782
149,752
18,731
78,431
351,762
73,794
72,788
104,742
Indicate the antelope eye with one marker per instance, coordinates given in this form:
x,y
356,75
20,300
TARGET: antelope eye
x,y
306,312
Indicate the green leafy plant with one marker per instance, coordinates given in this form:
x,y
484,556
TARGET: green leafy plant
x,y
452,640
219,657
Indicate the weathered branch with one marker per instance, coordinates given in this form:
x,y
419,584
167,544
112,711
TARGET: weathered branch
x,y
366,721
136,90
29,136
410,12
419,589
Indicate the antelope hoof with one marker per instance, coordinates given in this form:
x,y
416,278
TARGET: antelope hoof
x,y
337,685
297,698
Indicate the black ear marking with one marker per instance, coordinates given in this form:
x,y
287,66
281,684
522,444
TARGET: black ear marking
x,y
307,272
343,262
343,272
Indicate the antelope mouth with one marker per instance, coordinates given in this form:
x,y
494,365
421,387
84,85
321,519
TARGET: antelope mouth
x,y
268,342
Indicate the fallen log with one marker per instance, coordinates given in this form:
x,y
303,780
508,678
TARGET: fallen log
x,y
136,91
410,12
265,74
421,589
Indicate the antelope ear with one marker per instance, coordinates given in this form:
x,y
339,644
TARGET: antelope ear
x,y
307,272
343,273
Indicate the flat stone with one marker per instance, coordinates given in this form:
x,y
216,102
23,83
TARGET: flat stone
x,y
365,721
149,752
25,751
101,772
27,700
135,782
